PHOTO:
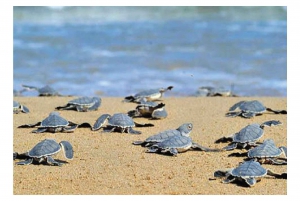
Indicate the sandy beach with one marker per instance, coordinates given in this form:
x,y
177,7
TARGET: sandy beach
x,y
108,163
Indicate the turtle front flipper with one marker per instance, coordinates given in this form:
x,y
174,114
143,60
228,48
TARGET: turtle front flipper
x,y
233,114
69,128
248,114
173,151
222,173
100,122
28,88
131,131
251,181
67,149
66,107
30,125
39,130
271,123
202,148
51,161
26,162
277,111
24,109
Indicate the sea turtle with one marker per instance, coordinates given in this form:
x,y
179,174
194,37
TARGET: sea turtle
x,y
247,136
119,121
268,153
82,104
54,123
149,109
214,91
43,151
249,172
173,141
44,91
147,95
250,109
19,108
184,130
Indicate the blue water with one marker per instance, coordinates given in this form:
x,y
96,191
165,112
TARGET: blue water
x,y
118,51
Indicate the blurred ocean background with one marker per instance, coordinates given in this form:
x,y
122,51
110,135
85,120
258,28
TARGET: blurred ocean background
x,y
118,51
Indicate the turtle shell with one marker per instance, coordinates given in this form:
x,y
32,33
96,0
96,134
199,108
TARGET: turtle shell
x,y
47,91
253,106
249,169
250,133
54,120
267,149
181,143
85,101
44,148
121,120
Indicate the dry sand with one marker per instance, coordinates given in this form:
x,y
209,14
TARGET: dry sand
x,y
108,164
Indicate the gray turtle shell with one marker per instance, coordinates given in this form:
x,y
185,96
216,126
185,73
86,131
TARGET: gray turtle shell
x,y
267,149
54,120
85,101
249,169
47,90
161,136
121,120
16,105
249,106
250,133
44,148
181,143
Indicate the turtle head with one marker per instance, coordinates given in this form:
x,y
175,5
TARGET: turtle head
x,y
185,129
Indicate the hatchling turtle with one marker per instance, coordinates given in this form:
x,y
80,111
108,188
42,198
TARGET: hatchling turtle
x,y
213,91
82,104
54,123
44,91
118,122
249,172
147,95
149,109
268,153
250,109
43,151
172,141
247,136
19,108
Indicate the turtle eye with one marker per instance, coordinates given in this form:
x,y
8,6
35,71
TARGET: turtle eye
x,y
190,126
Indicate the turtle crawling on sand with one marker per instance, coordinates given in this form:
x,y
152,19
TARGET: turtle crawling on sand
x,y
147,95
43,152
17,108
43,91
149,109
249,109
82,104
249,172
118,122
54,123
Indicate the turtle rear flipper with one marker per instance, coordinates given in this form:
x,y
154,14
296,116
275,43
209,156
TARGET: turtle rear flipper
x,y
51,161
26,162
202,148
230,147
277,111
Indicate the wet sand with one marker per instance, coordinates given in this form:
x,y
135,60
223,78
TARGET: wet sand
x,y
108,163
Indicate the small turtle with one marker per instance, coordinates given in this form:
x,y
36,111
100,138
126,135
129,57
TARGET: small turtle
x,y
184,130
149,109
212,91
44,91
268,153
54,123
19,108
147,95
249,172
247,136
82,104
173,141
119,121
43,151
250,109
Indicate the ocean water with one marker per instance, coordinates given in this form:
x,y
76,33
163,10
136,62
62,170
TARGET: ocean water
x,y
118,51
